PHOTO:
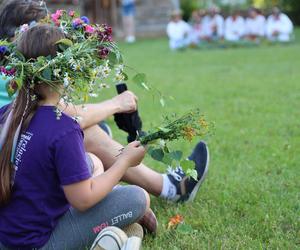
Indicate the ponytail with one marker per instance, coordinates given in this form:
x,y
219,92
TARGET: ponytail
x,y
22,110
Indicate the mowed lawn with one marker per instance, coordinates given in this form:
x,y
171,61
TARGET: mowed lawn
x,y
250,199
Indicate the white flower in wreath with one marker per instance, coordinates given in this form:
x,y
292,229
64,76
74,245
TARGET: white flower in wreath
x,y
119,69
24,27
119,77
103,70
93,94
66,80
56,72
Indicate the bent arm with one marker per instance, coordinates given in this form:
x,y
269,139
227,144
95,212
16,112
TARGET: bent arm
x,y
87,193
91,114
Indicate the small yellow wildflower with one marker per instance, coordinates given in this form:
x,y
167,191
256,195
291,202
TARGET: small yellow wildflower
x,y
189,133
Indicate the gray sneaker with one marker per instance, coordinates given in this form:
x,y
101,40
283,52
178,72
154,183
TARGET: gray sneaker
x,y
110,238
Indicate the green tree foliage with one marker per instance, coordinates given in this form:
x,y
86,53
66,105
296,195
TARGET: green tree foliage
x,y
292,7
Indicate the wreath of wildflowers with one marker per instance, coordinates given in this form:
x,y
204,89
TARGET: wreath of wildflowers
x,y
87,58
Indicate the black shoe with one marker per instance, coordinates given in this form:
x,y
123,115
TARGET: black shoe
x,y
176,176
106,128
188,187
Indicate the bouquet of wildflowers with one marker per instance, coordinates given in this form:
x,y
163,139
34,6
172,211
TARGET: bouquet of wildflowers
x,y
186,127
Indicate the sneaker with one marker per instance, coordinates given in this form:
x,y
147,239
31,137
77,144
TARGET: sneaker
x,y
187,188
135,230
110,238
149,222
133,243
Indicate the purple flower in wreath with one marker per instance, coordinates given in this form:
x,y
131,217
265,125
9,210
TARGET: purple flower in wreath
x,y
3,50
103,52
77,23
85,19
7,72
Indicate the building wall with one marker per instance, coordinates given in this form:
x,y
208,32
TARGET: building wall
x,y
152,16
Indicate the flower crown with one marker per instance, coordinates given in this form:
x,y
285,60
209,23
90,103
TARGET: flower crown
x,y
87,58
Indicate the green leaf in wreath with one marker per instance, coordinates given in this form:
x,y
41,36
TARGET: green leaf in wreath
x,y
125,76
113,59
141,79
162,102
64,44
19,82
47,73
65,41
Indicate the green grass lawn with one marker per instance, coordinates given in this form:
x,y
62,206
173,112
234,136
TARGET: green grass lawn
x,y
250,199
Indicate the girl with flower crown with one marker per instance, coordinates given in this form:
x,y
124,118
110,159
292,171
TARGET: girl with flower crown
x,y
174,185
48,197
166,186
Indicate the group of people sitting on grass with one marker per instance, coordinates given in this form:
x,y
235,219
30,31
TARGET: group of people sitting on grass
x,y
210,26
59,177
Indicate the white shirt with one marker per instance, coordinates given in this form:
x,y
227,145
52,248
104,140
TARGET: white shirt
x,y
209,23
283,25
256,26
178,30
234,29
196,33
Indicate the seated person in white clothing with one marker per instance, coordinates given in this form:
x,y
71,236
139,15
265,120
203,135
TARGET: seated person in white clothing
x,y
196,33
255,25
178,31
234,27
213,24
279,26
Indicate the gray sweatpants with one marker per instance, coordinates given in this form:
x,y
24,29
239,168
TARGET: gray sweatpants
x,y
77,230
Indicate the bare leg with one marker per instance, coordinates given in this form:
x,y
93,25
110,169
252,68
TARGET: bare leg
x,y
129,26
98,166
99,143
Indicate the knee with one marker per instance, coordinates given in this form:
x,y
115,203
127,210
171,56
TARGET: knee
x,y
142,199
147,196
97,166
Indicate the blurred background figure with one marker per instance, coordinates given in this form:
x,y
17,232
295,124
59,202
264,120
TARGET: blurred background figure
x,y
213,24
234,27
279,26
178,31
196,33
176,4
255,25
128,15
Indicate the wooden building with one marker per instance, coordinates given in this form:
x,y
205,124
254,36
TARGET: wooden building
x,y
152,16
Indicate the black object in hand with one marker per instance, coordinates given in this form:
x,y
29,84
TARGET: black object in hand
x,y
128,122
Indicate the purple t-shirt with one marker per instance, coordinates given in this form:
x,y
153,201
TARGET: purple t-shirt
x,y
50,154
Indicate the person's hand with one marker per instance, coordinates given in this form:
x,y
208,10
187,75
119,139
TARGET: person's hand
x,y
133,154
126,102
